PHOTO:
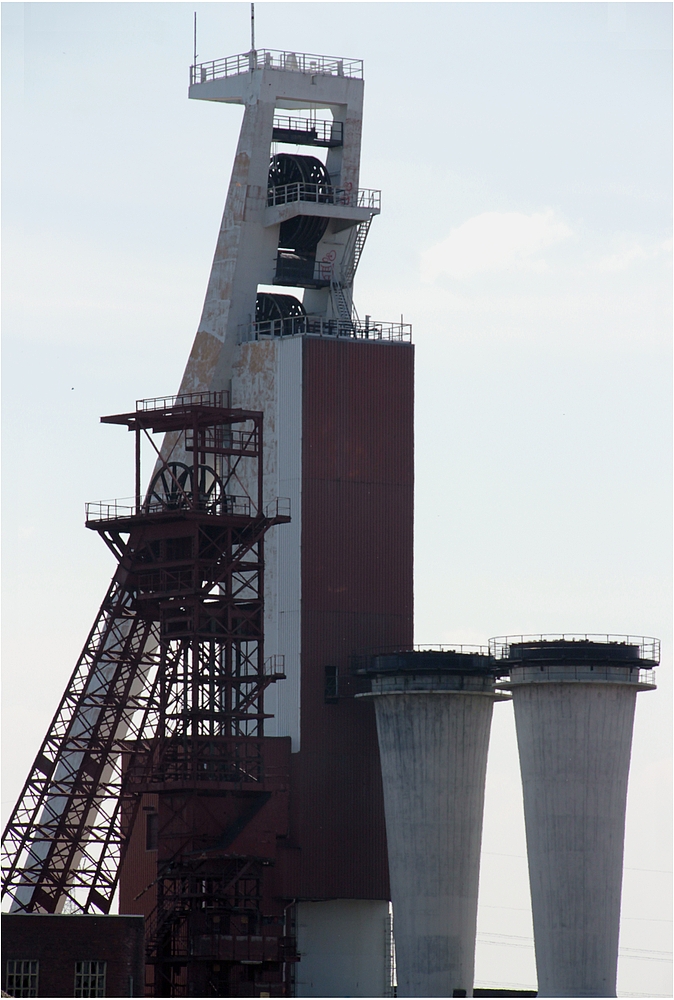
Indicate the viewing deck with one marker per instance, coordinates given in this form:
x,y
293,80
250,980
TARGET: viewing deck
x,y
324,194
289,62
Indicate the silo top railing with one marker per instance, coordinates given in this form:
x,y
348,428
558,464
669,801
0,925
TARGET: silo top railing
x,y
586,646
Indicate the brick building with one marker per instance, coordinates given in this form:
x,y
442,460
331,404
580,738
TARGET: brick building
x,y
58,955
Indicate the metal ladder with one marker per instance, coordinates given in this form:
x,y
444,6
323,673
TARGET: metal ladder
x,y
354,255
341,303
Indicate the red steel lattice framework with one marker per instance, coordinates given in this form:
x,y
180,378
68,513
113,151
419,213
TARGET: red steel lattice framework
x,y
167,699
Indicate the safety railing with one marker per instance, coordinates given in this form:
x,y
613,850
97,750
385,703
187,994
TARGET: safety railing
x,y
324,194
109,510
292,269
275,666
616,673
318,326
186,399
423,648
278,507
308,131
289,62
116,510
223,438
237,506
648,648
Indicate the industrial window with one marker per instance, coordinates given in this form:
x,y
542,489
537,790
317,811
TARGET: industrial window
x,y
21,978
90,979
151,831
331,685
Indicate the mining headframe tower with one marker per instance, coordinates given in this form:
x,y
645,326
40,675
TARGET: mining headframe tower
x,y
208,757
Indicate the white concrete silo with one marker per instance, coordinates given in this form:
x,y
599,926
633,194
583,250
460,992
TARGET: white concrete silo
x,y
574,699
434,711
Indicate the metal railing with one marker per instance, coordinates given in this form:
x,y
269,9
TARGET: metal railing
x,y
648,648
110,510
237,506
294,270
274,666
323,131
289,62
324,194
278,507
318,326
219,399
617,673
222,437
423,648
115,510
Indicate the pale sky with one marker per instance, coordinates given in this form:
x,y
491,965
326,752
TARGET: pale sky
x,y
523,152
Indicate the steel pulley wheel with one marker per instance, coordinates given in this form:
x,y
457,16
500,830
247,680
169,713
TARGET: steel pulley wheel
x,y
304,232
172,487
278,315
290,168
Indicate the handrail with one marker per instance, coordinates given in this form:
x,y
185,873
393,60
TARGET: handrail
x,y
649,648
289,62
229,505
423,648
324,131
319,326
324,194
618,673
294,270
218,399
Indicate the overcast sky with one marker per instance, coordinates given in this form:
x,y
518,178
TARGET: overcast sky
x,y
523,152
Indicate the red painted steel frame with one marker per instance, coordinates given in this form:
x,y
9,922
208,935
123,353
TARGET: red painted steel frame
x,y
168,699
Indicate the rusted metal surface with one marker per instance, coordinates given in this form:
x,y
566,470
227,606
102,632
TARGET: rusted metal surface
x,y
182,733
357,565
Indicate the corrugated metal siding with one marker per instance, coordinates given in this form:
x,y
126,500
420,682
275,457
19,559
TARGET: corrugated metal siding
x,y
139,869
288,536
357,568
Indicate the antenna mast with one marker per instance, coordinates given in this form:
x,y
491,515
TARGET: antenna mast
x,y
252,27
195,39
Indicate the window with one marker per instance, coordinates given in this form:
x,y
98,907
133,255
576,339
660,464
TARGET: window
x,y
151,831
90,979
21,977
331,685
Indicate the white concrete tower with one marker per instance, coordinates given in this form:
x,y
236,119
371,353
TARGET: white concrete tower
x,y
574,699
279,330
434,711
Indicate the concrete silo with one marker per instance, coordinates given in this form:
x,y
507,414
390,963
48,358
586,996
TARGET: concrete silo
x,y
574,699
434,710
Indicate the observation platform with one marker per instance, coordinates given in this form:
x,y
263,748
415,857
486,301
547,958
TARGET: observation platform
x,y
300,79
319,326
288,62
321,200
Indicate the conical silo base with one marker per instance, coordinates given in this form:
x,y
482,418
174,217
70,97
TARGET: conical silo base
x,y
574,701
433,747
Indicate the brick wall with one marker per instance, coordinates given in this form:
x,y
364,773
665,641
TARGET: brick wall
x,y
57,942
